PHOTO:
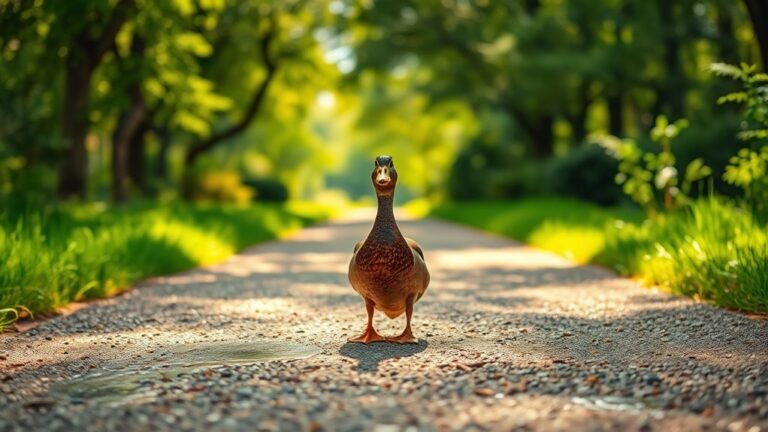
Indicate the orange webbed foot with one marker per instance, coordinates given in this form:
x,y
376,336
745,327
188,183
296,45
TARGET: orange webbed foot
x,y
405,338
368,336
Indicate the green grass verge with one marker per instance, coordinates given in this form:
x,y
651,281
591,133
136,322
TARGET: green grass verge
x,y
713,251
57,256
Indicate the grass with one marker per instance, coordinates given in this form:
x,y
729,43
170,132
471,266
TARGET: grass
x,y
713,251
73,253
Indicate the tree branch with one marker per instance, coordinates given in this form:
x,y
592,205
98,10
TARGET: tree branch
x,y
106,40
253,107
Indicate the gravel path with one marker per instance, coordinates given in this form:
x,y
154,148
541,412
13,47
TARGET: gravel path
x,y
511,337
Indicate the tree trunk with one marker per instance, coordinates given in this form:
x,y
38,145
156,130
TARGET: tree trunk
x,y
85,54
539,130
758,13
161,164
616,114
130,122
543,137
137,153
729,46
578,119
127,126
73,166
672,92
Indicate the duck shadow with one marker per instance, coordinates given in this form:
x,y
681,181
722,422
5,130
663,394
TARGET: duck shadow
x,y
370,355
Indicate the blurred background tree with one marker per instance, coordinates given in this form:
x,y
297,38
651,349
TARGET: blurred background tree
x,y
475,99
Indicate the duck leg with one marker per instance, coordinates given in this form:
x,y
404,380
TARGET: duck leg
x,y
369,335
407,335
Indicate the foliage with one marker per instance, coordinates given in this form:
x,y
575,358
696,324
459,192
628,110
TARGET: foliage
x,y
748,169
484,169
221,186
544,63
67,254
711,250
753,95
586,173
642,174
266,189
349,78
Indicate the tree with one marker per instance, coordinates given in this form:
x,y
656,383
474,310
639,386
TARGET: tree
x,y
251,111
758,13
88,43
129,123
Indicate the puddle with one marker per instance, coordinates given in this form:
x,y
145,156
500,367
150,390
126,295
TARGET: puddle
x,y
624,404
135,381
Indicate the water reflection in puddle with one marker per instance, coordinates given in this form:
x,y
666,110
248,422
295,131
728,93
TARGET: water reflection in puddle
x,y
616,403
124,381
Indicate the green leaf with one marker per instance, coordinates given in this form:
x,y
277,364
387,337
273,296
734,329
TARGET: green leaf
x,y
726,70
736,97
194,43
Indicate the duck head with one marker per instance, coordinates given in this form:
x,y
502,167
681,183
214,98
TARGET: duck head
x,y
384,176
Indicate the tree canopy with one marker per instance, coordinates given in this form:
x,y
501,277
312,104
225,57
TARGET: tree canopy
x,y
122,98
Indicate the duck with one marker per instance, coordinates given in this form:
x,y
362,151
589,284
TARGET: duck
x,y
387,269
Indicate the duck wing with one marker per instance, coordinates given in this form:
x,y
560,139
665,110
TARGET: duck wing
x,y
415,246
422,274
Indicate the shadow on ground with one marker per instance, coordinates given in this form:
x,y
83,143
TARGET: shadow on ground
x,y
370,355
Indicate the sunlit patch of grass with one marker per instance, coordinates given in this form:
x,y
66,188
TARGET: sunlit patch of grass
x,y
577,243
713,251
55,256
418,208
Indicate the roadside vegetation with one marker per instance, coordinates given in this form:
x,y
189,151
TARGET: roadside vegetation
x,y
713,251
80,252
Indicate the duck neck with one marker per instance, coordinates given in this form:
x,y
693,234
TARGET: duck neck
x,y
385,216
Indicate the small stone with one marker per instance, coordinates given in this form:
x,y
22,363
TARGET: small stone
x,y
484,392
652,379
698,407
213,417
244,393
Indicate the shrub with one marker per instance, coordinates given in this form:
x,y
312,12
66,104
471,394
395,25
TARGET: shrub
x,y
220,186
524,178
749,168
647,176
270,190
587,173
486,169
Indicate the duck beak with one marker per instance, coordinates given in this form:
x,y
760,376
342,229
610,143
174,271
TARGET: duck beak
x,y
382,176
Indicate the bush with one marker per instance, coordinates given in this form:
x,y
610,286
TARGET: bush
x,y
220,186
525,178
715,142
587,173
486,169
270,190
